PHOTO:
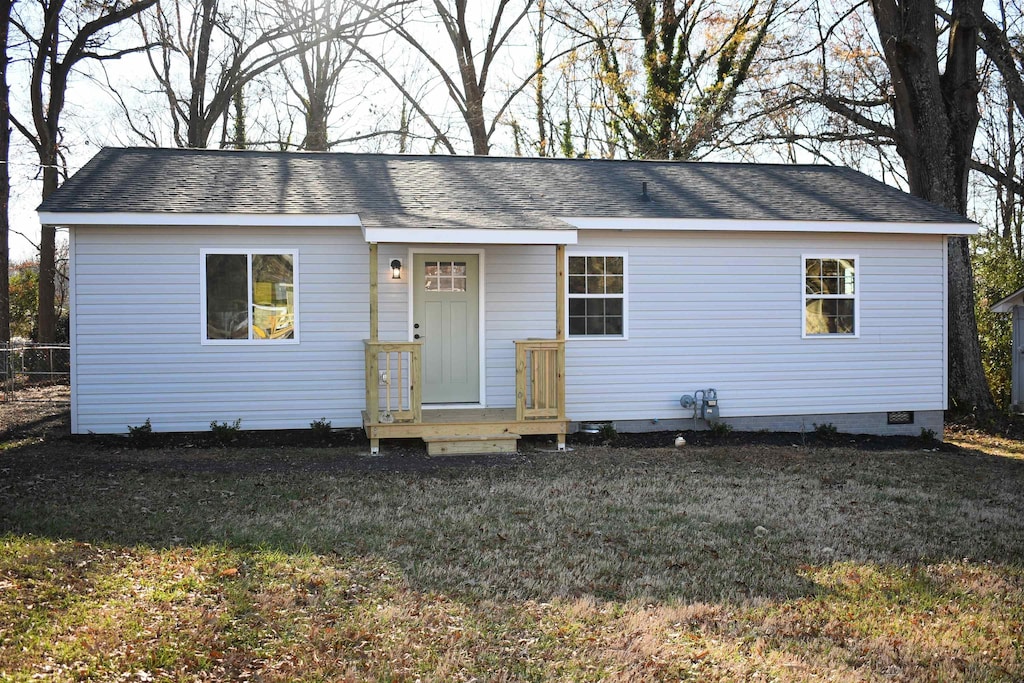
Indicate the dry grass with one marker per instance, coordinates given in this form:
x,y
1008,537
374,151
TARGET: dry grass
x,y
710,564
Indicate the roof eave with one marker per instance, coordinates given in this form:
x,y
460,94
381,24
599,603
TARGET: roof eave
x,y
241,220
1007,304
743,225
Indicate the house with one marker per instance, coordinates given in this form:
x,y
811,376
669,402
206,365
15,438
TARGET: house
x,y
468,300
1014,304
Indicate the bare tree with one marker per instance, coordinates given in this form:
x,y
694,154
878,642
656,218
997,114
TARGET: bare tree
x,y
59,36
209,50
337,27
5,175
468,85
673,70
932,101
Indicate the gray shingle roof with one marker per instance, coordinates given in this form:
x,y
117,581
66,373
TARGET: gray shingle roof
x,y
479,192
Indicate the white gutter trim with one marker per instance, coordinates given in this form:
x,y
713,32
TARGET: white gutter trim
x,y
468,236
242,220
736,225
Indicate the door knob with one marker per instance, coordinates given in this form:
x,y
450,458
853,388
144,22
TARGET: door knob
x,y
416,336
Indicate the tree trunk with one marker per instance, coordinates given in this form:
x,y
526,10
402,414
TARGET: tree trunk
x,y
316,123
5,176
46,321
936,117
199,124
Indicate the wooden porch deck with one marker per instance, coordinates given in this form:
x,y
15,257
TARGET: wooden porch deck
x,y
456,423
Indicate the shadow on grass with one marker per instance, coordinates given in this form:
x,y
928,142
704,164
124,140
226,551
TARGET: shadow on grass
x,y
603,563
726,523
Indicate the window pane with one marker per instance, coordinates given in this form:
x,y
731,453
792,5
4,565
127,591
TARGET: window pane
x,y
830,316
613,307
595,307
577,265
814,285
577,284
614,284
595,325
613,324
847,271
844,316
577,307
614,265
273,296
227,296
577,325
595,284
595,265
816,322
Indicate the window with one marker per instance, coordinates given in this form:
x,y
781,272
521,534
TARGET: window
x,y
445,276
830,296
597,295
248,296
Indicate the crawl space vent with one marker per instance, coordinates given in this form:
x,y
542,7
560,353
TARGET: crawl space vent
x,y
901,417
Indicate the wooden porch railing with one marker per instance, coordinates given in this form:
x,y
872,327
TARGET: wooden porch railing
x,y
540,379
394,375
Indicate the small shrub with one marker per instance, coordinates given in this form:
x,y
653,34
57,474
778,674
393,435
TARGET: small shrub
x,y
928,435
826,432
141,435
607,432
719,430
321,429
225,432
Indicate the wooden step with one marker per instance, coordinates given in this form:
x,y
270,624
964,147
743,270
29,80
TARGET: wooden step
x,y
471,445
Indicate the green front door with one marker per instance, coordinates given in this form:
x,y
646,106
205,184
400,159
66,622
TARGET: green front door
x,y
446,317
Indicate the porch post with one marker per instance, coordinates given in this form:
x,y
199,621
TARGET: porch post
x,y
372,371
373,291
560,335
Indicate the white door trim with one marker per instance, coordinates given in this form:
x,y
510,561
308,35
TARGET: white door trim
x,y
481,317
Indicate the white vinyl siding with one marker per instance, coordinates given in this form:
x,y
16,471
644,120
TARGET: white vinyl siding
x,y
723,311
138,351
719,310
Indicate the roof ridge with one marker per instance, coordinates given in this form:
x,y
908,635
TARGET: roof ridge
x,y
298,153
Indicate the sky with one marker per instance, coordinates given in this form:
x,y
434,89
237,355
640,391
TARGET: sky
x,y
92,117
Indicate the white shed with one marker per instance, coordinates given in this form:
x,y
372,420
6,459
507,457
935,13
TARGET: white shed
x,y
1014,304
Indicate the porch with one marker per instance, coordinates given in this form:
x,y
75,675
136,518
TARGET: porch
x,y
394,382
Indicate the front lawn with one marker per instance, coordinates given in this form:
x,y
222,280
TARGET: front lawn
x,y
722,563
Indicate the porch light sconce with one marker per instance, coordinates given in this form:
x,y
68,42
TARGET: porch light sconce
x,y
396,269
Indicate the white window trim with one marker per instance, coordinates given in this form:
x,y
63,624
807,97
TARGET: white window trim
x,y
625,294
294,253
858,270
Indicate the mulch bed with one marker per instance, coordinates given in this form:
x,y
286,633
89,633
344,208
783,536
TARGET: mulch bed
x,y
44,417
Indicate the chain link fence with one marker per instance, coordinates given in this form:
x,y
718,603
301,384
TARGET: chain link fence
x,y
28,366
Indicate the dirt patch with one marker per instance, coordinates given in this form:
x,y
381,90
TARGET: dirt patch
x,y
35,411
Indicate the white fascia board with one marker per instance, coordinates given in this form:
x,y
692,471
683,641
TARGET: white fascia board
x,y
736,225
241,220
467,236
